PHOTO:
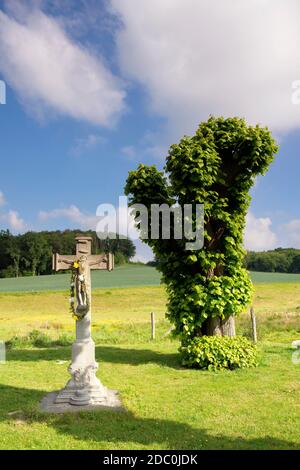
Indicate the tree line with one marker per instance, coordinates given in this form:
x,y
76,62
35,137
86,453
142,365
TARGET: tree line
x,y
280,260
30,254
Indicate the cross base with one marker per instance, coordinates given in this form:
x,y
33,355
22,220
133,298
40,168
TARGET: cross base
x,y
84,388
49,404
87,395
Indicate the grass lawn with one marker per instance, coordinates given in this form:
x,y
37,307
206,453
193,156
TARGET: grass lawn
x,y
166,406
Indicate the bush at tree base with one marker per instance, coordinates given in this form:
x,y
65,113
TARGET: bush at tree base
x,y
219,352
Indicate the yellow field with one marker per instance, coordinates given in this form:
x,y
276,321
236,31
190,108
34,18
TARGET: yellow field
x,y
276,305
23,312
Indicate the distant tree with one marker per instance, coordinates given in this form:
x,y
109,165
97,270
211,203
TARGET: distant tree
x,y
118,244
14,252
279,260
120,259
295,265
4,256
6,270
35,251
261,262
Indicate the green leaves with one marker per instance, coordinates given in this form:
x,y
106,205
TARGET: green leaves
x,y
192,258
219,353
217,166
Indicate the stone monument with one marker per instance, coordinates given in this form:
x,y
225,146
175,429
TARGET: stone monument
x,y
84,389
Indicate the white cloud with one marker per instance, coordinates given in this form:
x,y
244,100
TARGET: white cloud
x,y
258,234
290,234
73,214
197,57
117,219
2,199
11,219
14,222
49,71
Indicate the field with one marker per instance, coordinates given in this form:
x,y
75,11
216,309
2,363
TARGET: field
x,y
122,276
166,406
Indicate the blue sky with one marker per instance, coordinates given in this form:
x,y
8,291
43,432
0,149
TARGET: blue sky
x,y
95,87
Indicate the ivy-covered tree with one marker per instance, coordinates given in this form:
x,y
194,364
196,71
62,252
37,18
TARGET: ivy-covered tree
x,y
217,167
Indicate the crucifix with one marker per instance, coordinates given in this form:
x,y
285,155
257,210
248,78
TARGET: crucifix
x,y
84,388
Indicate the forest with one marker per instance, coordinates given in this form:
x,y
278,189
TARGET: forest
x,y
30,254
280,260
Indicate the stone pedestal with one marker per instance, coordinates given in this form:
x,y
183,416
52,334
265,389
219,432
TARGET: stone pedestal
x,y
84,388
49,404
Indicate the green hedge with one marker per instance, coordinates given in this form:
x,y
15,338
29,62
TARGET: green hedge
x,y
219,352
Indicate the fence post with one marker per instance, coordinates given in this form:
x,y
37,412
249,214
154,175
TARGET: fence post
x,y
253,321
152,325
2,352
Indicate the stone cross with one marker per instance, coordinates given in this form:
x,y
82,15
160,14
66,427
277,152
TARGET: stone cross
x,y
84,388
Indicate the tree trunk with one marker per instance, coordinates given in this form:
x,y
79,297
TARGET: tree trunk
x,y
228,326
217,326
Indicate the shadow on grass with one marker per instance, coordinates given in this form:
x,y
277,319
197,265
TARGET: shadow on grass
x,y
136,357
109,354
113,430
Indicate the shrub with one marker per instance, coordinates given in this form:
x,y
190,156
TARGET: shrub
x,y
63,340
8,272
38,339
219,352
34,339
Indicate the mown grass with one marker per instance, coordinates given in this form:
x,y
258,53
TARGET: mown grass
x,y
166,406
